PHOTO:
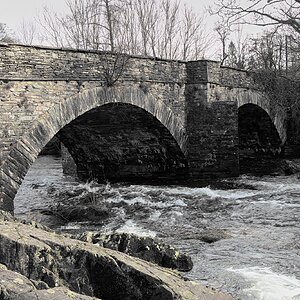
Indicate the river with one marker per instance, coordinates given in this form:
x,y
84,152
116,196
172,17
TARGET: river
x,y
258,256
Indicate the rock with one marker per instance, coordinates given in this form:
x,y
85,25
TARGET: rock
x,y
86,213
59,293
6,216
290,167
211,235
40,285
89,212
145,248
14,286
84,268
46,217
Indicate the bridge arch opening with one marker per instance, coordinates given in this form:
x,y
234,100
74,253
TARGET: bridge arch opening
x,y
121,142
259,140
25,150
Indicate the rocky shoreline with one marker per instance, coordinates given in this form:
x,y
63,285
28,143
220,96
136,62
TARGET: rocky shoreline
x,y
38,263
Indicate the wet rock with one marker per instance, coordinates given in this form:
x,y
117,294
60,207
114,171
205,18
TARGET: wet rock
x,y
290,167
14,286
84,268
209,206
6,216
40,285
213,235
210,235
49,218
145,248
276,167
79,213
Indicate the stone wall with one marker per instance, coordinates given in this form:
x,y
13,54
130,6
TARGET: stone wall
x,y
42,90
34,79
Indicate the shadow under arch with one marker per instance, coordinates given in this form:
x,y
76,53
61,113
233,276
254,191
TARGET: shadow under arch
x,y
259,140
121,142
24,151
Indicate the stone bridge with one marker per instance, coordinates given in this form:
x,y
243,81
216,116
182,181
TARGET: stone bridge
x,y
123,117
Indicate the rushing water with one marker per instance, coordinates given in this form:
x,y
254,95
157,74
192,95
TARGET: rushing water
x,y
258,259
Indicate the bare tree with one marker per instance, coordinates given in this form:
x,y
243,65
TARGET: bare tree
x,y
28,33
191,33
260,12
266,52
50,25
238,51
164,29
223,33
5,35
170,20
147,16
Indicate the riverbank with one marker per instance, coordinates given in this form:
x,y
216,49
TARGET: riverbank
x,y
36,258
242,234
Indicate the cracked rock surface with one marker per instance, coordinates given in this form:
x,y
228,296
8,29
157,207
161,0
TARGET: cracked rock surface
x,y
145,248
64,265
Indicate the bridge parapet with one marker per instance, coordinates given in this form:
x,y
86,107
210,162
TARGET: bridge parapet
x,y
19,62
43,89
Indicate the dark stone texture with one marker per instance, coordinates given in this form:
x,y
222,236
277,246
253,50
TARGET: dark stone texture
x,y
14,286
182,120
66,264
212,144
145,248
121,142
53,147
259,142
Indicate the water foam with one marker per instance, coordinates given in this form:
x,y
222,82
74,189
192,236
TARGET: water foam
x,y
267,285
132,227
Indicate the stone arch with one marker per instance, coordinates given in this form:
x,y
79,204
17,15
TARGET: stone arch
x,y
259,139
26,149
261,100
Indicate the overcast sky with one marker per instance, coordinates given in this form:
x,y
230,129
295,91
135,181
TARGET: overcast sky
x,y
13,12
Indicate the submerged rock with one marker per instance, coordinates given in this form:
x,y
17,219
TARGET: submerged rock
x,y
67,264
211,235
145,248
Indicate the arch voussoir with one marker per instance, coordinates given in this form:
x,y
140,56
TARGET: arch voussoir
x,y
23,153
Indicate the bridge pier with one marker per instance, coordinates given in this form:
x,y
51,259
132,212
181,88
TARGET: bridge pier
x,y
212,126
194,104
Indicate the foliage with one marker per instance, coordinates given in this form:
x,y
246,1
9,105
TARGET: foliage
x,y
277,49
271,51
283,92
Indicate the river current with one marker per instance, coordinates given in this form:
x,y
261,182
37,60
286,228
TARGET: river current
x,y
257,218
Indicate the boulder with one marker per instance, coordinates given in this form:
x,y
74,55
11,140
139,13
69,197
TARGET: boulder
x,y
87,269
14,286
213,235
145,248
210,235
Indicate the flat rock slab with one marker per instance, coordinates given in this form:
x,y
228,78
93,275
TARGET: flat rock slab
x,y
88,269
14,286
